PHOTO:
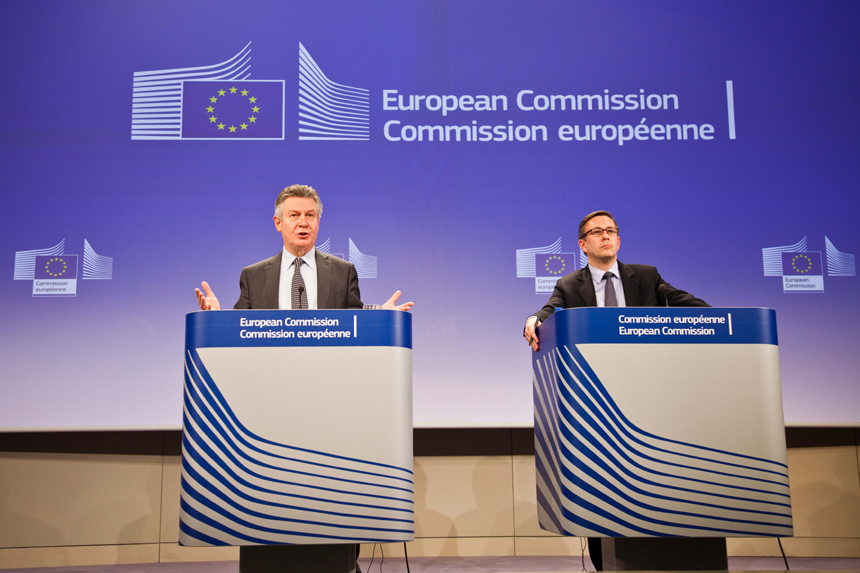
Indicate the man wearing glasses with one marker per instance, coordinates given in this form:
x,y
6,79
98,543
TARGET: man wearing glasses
x,y
606,282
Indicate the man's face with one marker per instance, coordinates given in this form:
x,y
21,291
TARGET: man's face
x,y
299,224
603,250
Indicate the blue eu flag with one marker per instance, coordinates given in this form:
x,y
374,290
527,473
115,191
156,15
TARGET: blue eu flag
x,y
555,265
233,109
56,267
805,263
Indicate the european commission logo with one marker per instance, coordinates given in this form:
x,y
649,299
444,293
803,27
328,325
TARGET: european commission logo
x,y
802,270
547,264
55,273
221,102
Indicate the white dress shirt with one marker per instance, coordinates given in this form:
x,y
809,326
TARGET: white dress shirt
x,y
309,275
600,284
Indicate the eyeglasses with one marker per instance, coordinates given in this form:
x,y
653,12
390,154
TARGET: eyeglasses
x,y
598,232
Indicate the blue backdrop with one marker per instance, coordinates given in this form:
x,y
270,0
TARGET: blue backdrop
x,y
722,135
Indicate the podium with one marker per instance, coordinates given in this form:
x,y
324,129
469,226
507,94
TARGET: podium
x,y
297,431
660,423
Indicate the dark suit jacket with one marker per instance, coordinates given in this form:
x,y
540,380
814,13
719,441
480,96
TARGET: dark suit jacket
x,y
337,284
641,288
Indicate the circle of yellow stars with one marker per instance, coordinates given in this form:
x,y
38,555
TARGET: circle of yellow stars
x,y
58,272
805,258
255,109
554,258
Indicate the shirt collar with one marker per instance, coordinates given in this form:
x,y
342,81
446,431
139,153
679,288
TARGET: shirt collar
x,y
310,259
597,274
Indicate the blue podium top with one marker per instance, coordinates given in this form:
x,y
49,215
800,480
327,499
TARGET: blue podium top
x,y
242,328
660,325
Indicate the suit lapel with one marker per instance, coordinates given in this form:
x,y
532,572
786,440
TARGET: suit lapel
x,y
586,287
273,280
323,280
630,282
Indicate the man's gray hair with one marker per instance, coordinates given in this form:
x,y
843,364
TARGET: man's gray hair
x,y
297,191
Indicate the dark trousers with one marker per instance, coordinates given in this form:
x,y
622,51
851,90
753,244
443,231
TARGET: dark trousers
x,y
595,551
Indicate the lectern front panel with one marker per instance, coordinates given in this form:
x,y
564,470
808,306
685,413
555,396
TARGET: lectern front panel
x,y
297,428
653,422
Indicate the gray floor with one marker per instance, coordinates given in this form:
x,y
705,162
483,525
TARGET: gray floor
x,y
465,565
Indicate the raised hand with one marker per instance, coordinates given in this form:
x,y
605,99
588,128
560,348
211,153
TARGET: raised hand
x,y
207,300
390,303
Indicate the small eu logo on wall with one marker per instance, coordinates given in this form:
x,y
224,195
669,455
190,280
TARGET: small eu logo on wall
x,y
802,272
56,275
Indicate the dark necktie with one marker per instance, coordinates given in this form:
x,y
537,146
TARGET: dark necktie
x,y
609,298
299,295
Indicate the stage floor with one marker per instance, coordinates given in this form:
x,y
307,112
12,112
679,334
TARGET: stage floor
x,y
464,565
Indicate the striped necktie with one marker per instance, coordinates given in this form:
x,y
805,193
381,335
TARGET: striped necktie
x,y
299,295
609,298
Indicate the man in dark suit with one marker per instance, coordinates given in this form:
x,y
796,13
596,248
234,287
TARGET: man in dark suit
x,y
322,281
337,284
606,282
299,277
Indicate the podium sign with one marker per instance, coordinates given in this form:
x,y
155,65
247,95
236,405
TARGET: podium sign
x,y
297,428
660,422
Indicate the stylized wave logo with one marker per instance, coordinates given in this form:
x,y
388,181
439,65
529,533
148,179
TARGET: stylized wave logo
x,y
25,261
839,264
526,258
772,257
365,265
157,94
96,267
598,473
239,488
328,110
325,247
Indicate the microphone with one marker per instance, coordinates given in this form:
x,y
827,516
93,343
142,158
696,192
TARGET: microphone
x,y
664,290
301,292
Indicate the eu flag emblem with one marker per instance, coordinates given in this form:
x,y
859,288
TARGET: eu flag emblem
x,y
802,272
554,265
60,267
55,275
805,263
551,267
233,109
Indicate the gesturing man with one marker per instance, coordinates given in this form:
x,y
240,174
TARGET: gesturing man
x,y
300,276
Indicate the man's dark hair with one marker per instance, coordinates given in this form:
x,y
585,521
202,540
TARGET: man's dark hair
x,y
591,216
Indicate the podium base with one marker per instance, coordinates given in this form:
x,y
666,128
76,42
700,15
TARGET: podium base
x,y
664,553
297,558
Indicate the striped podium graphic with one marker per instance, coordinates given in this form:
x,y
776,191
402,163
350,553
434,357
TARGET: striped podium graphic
x,y
660,422
273,449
